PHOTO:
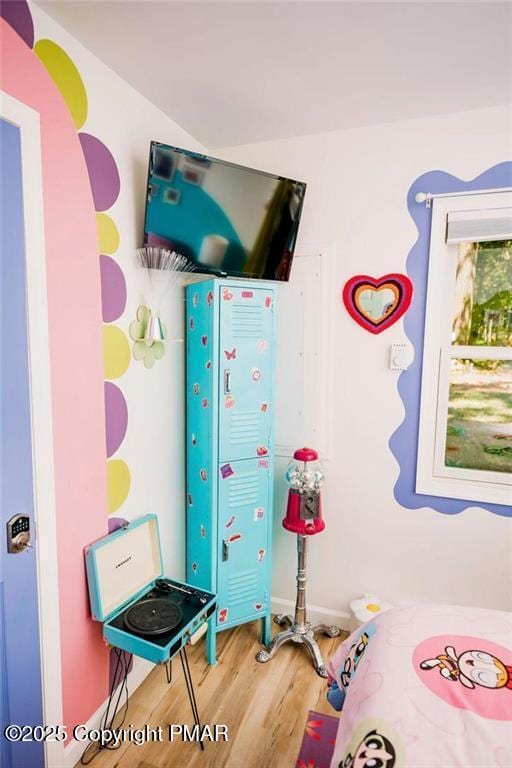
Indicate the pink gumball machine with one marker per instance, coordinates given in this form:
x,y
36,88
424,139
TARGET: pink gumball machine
x,y
304,509
304,518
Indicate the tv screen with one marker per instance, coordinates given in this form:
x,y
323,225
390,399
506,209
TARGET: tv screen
x,y
226,219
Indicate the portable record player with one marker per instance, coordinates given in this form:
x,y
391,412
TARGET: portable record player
x,y
142,612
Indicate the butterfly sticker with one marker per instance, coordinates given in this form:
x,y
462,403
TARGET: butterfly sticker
x,y
257,606
229,402
264,407
255,374
208,364
191,323
203,475
261,555
189,499
223,615
194,567
262,345
202,531
204,340
262,450
268,302
193,439
247,294
209,298
205,402
230,521
196,389
195,299
230,355
227,295
234,537
259,513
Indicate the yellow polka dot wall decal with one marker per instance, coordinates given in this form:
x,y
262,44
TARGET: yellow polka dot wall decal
x,y
66,77
116,351
118,483
108,235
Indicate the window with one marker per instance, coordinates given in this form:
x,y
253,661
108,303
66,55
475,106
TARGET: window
x,y
465,436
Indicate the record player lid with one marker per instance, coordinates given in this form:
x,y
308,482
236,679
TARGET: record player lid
x,y
122,565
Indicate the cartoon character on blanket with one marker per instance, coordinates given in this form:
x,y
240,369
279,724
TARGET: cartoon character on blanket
x,y
471,668
335,694
412,682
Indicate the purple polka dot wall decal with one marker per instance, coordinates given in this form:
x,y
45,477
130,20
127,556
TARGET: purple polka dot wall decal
x,y
113,289
103,173
115,523
116,417
17,14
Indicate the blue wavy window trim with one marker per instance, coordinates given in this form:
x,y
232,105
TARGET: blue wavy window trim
x,y
404,441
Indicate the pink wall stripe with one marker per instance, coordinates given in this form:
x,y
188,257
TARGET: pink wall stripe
x,y
75,321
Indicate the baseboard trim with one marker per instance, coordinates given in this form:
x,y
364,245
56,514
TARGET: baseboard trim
x,y
73,751
317,614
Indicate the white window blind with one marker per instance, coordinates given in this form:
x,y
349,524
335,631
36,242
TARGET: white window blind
x,y
479,226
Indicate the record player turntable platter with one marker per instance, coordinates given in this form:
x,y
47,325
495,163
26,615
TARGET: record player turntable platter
x,y
153,616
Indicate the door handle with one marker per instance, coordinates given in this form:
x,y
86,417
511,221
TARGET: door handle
x,y
18,534
225,550
227,382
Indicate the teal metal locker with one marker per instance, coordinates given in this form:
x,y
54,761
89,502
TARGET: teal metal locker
x,y
231,329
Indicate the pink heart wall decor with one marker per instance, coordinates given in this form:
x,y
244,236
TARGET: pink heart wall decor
x,y
377,303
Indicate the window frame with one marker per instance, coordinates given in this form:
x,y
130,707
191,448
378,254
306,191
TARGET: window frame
x,y
432,476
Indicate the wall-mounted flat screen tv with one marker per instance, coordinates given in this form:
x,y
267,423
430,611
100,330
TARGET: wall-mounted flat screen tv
x,y
225,218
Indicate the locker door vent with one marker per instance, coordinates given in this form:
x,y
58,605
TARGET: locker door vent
x,y
243,490
242,587
244,427
246,321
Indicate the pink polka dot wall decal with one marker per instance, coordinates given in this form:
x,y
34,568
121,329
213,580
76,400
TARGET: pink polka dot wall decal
x,y
113,289
17,14
116,417
103,173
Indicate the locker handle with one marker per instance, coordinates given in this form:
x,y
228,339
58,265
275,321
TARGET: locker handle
x,y
225,550
227,382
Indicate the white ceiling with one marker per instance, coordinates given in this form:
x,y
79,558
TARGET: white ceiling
x,y
235,73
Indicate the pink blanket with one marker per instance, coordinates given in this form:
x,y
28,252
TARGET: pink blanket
x,y
426,686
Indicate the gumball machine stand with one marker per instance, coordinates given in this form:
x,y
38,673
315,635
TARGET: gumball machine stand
x,y
304,518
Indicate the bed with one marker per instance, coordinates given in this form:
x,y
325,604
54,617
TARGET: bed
x,y
425,686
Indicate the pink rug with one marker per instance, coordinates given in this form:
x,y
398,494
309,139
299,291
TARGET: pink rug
x,y
318,741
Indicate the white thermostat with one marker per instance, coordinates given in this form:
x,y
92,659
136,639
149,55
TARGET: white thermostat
x,y
400,357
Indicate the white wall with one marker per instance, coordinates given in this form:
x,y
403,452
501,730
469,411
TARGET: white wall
x,y
356,199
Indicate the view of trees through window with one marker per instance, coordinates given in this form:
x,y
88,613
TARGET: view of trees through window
x,y
479,428
483,295
479,425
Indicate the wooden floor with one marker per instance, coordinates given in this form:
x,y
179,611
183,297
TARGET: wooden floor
x,y
264,706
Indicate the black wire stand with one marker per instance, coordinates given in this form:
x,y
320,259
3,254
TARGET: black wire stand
x,y
190,691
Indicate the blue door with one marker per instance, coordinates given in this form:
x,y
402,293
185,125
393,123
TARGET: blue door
x,y
245,371
20,668
244,519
